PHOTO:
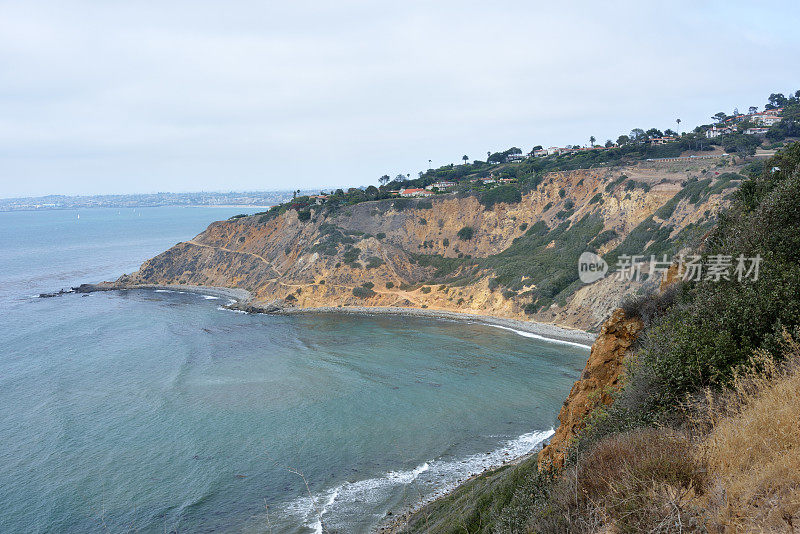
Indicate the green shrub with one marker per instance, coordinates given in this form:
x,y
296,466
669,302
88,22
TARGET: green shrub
x,y
368,285
466,233
426,289
401,204
502,193
389,285
380,235
373,262
303,215
363,292
351,255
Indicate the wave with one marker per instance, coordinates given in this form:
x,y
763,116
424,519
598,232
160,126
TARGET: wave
x,y
540,337
223,308
210,297
372,497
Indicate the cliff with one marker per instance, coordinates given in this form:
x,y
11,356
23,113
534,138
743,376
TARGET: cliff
x,y
600,378
519,261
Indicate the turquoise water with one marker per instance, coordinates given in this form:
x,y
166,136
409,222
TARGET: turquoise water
x,y
160,411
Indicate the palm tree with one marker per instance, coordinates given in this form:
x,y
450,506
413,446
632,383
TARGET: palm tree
x,y
679,125
465,158
592,140
429,164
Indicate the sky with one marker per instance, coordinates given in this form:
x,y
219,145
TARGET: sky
x,y
189,95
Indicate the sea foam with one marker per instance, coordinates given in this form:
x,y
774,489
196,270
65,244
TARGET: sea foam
x,y
430,480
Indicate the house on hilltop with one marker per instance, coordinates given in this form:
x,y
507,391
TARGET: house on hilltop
x,y
415,192
441,185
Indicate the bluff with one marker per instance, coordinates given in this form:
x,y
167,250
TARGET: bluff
x,y
600,379
454,252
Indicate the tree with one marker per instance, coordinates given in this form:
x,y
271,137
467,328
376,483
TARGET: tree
x,y
678,121
637,134
654,132
592,139
719,117
776,100
609,143
465,158
623,140
383,180
668,132
429,164
752,109
400,178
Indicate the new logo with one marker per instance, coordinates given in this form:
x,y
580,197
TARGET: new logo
x,y
591,267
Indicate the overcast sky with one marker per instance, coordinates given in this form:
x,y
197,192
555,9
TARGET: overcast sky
x,y
172,95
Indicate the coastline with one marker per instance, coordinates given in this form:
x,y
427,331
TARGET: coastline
x,y
243,301
541,331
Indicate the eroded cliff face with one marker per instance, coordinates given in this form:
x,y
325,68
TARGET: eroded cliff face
x,y
600,379
396,253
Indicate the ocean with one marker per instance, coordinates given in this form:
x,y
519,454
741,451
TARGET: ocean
x,y
161,411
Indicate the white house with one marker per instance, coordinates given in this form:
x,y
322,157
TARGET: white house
x,y
716,131
441,185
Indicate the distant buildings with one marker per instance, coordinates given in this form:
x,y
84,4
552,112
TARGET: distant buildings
x,y
661,140
441,185
716,131
765,119
415,192
516,157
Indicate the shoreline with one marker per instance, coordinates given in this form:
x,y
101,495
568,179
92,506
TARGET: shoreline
x,y
542,331
244,302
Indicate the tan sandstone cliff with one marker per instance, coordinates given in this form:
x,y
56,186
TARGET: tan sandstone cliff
x,y
601,377
399,254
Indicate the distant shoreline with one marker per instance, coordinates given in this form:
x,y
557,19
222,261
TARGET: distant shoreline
x,y
77,208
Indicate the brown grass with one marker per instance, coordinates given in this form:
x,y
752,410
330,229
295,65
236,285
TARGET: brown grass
x,y
640,481
753,450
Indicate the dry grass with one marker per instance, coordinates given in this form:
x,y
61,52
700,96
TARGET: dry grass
x,y
640,481
753,450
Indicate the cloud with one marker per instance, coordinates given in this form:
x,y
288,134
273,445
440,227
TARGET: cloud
x,y
143,96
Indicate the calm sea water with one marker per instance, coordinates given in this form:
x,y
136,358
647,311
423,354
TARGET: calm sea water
x,y
160,411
